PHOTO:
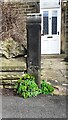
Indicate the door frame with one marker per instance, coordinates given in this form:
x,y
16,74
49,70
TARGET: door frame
x,y
59,24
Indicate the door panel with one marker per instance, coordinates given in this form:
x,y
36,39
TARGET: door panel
x,y
54,22
45,22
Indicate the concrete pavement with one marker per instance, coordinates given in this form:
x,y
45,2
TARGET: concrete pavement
x,y
55,71
36,107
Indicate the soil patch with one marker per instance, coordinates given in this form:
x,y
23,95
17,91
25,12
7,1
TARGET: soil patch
x,y
7,92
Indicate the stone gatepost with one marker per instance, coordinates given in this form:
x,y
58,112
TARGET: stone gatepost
x,y
34,45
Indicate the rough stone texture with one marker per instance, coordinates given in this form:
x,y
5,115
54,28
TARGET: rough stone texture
x,y
10,48
22,1
63,28
12,69
13,20
66,31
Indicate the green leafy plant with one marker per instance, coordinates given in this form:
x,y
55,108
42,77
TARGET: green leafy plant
x,y
26,87
46,88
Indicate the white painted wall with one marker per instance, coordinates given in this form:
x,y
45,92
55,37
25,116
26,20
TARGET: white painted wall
x,y
49,3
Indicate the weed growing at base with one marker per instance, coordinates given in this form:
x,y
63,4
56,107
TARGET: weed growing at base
x,y
27,87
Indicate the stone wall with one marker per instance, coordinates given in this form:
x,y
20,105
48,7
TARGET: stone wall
x,y
63,29
13,20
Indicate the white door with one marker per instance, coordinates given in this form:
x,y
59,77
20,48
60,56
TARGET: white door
x,y
50,29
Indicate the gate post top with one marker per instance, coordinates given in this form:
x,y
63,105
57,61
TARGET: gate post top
x,y
34,18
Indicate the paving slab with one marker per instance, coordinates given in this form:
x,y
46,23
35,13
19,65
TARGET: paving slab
x,y
54,71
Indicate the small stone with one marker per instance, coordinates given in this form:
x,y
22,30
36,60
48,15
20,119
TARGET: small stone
x,y
56,81
65,76
49,83
65,84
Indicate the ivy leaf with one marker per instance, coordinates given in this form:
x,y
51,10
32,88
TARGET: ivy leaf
x,y
23,88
